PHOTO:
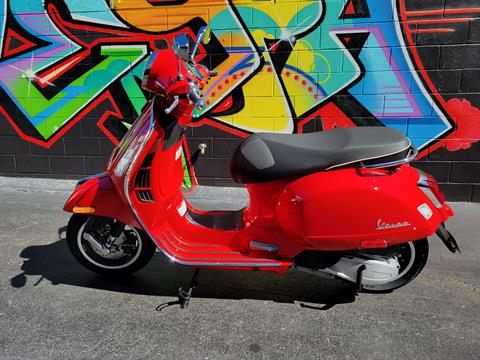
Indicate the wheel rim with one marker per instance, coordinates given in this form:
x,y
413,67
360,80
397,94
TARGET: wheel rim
x,y
411,257
110,263
407,264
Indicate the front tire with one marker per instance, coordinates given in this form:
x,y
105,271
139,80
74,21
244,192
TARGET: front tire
x,y
412,257
139,250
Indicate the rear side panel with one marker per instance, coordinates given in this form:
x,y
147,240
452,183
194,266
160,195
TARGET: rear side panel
x,y
338,210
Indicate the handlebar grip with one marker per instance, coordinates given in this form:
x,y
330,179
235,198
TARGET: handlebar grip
x,y
195,96
197,100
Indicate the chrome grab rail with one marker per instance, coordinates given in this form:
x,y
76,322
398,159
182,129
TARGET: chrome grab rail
x,y
410,157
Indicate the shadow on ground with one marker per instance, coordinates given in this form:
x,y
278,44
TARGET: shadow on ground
x,y
53,262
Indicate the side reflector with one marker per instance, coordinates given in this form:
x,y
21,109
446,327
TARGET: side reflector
x,y
260,246
373,244
83,210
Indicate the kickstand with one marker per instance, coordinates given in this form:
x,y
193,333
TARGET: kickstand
x,y
185,292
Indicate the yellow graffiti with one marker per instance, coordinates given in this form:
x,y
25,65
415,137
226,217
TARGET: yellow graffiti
x,y
267,108
307,63
158,17
246,29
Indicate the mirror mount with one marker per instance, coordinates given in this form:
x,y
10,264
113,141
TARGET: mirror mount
x,y
181,46
203,36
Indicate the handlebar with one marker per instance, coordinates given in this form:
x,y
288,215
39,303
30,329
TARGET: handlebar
x,y
193,94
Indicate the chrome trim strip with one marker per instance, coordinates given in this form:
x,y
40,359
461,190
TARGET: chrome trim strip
x,y
424,186
371,158
411,157
84,180
430,195
171,258
261,246
422,181
211,262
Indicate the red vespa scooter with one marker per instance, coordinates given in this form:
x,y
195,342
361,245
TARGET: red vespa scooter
x,y
341,204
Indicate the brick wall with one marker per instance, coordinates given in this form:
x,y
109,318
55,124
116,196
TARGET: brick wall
x,y
70,78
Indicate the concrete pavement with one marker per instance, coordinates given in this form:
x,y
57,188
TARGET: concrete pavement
x,y
52,308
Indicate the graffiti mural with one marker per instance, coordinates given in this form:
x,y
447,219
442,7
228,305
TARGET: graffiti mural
x,y
281,65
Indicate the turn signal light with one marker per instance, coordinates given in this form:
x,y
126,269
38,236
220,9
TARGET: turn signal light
x,y
83,210
430,187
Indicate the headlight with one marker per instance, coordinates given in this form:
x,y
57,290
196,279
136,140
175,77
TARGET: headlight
x,y
129,154
123,163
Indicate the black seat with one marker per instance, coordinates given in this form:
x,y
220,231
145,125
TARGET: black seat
x,y
264,157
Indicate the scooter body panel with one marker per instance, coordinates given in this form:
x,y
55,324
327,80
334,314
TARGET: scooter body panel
x,y
353,209
332,210
318,222
105,192
100,194
344,209
165,216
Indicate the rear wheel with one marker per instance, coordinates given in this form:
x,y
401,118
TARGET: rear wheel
x,y
131,252
412,257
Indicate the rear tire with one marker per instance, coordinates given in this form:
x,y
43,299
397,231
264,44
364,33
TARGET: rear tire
x,y
413,257
133,260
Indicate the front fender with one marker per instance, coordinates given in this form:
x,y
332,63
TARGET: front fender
x,y
99,193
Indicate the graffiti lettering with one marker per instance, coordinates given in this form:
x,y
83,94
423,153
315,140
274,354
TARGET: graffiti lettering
x,y
281,65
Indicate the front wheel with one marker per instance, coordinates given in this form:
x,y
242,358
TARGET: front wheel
x,y
131,251
412,257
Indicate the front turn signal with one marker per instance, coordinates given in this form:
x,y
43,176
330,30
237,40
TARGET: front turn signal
x,y
83,210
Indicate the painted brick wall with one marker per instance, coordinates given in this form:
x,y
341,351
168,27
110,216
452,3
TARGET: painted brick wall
x,y
70,70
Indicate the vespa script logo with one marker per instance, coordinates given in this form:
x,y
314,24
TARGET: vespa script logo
x,y
381,225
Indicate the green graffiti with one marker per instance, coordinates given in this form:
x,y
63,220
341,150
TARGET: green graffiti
x,y
48,115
